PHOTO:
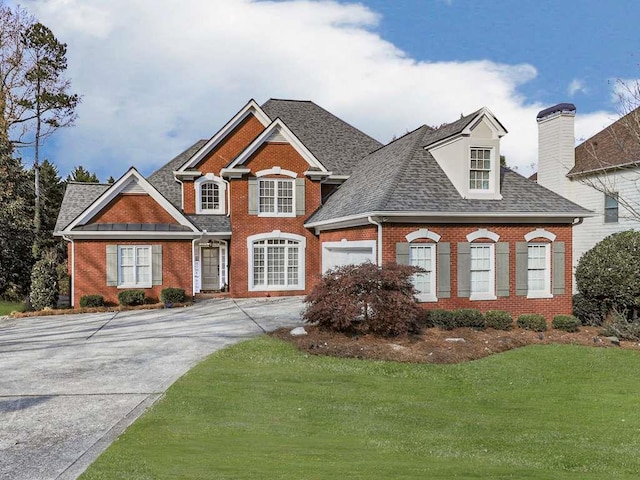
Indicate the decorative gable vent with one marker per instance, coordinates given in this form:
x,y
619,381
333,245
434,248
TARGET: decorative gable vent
x,y
277,137
133,187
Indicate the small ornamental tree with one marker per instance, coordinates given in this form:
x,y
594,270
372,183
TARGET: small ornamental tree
x,y
609,273
364,299
44,282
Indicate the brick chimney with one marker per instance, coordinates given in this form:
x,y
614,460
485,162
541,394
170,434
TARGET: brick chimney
x,y
556,146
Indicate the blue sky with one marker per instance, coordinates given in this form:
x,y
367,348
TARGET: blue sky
x,y
156,76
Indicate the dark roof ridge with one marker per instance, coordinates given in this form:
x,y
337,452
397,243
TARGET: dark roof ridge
x,y
76,182
399,138
289,100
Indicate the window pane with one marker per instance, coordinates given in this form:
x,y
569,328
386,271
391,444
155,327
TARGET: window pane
x,y
210,196
537,274
258,265
275,265
420,256
267,196
481,269
611,208
292,266
285,196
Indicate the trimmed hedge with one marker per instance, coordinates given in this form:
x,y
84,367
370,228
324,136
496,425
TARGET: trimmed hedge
x,y
173,295
89,301
129,298
568,323
532,321
469,318
498,319
442,319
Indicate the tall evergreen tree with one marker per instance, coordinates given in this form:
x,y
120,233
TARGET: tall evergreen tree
x,y
52,191
80,174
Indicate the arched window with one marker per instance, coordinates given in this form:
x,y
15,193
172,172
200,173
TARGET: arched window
x,y
210,194
276,261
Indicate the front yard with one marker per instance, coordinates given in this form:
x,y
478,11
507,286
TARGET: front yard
x,y
264,410
7,307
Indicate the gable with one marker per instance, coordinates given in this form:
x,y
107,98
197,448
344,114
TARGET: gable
x,y
134,208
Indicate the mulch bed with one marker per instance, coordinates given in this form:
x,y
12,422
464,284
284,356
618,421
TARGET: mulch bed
x,y
439,346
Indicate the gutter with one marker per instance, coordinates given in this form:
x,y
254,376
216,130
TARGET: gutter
x,y
379,243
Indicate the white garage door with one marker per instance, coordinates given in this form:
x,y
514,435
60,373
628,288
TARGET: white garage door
x,y
337,254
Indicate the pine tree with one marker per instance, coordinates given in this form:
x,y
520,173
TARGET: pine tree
x,y
80,174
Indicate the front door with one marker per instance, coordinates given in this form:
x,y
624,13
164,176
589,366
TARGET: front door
x,y
211,268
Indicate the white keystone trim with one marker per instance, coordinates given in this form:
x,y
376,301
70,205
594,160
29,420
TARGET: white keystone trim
x,y
276,171
482,233
540,233
423,233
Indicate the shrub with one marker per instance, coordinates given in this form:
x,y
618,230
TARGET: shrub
x,y
498,319
89,301
44,283
364,298
589,311
532,321
173,295
609,273
129,298
623,328
443,319
470,318
568,323
64,281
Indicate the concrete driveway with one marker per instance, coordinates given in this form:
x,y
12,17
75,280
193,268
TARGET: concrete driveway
x,y
69,385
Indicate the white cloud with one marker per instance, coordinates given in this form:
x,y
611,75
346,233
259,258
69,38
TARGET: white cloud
x,y
576,86
157,76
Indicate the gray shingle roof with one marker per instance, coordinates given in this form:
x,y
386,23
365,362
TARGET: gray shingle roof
x,y
335,143
211,223
77,197
163,180
132,227
404,177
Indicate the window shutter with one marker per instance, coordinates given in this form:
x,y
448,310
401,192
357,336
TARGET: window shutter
x,y
502,269
253,196
156,264
522,268
402,253
558,268
112,265
443,270
300,196
464,270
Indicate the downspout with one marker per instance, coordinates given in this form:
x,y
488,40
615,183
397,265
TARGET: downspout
x,y
226,182
193,257
379,253
73,268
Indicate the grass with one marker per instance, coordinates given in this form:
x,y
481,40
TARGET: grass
x,y
263,410
7,307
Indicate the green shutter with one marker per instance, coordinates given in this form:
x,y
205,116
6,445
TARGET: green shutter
x,y
443,270
522,268
502,269
112,265
253,196
402,253
558,264
300,199
156,264
464,270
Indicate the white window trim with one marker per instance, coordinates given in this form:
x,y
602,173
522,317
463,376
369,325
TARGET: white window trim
x,y
148,284
292,213
492,169
432,295
423,233
483,233
276,171
222,187
277,234
546,293
540,233
491,295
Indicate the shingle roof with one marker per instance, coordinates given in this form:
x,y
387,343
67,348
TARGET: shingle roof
x,y
132,227
335,143
404,177
448,130
211,223
163,179
77,197
618,145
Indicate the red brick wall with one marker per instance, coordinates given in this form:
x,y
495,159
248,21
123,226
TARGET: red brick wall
x,y
91,268
559,304
244,225
133,208
228,149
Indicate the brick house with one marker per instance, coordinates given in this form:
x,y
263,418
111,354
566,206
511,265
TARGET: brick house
x,y
286,190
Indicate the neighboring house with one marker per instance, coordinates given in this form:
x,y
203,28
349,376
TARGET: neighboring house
x,y
601,174
286,190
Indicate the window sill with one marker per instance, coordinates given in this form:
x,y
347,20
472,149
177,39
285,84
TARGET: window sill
x,y
425,298
274,215
482,296
539,295
210,212
145,285
275,288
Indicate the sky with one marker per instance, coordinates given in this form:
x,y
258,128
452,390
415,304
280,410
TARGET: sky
x,y
155,76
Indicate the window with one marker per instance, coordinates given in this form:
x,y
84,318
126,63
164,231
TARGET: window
x,y
480,170
611,208
276,197
277,264
209,196
482,268
134,266
423,256
538,270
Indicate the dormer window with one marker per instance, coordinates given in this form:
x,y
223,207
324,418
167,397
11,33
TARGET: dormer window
x,y
210,194
480,168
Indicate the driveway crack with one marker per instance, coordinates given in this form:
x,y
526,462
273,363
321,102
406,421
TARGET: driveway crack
x,y
102,326
248,316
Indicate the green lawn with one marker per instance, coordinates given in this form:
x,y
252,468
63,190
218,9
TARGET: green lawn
x,y
262,410
7,307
